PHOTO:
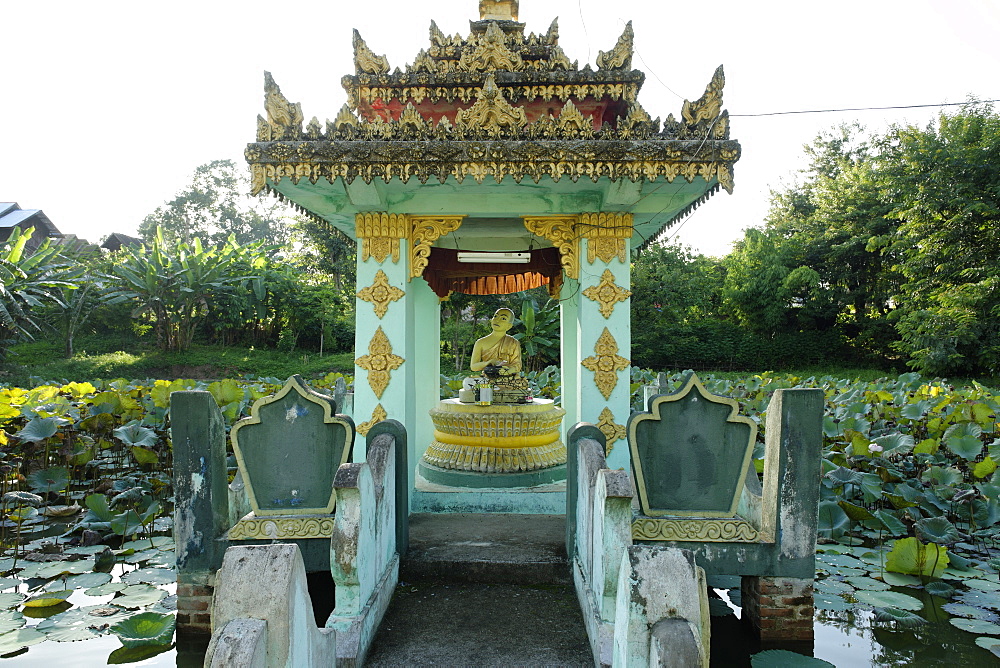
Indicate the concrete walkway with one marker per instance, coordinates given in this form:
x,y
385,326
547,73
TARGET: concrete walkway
x,y
483,590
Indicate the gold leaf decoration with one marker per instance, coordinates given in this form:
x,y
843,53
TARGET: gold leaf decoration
x,y
612,431
606,234
380,293
490,54
379,234
378,415
365,59
379,362
607,293
424,231
491,113
561,231
606,363
620,57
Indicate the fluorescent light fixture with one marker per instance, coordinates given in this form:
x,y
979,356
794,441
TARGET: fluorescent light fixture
x,y
505,258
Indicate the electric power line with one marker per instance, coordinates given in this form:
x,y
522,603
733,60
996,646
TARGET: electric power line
x,y
824,111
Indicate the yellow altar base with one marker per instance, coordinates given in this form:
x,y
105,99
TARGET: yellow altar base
x,y
501,438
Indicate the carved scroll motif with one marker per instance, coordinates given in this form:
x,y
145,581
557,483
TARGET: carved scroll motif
x,y
702,530
606,234
607,293
561,231
284,528
378,415
620,57
606,363
424,232
379,362
379,234
612,431
380,293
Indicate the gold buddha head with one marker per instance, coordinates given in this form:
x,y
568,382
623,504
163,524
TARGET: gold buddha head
x,y
502,320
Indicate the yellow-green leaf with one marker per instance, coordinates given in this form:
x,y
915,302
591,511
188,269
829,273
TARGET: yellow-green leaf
x,y
985,467
144,455
910,556
928,446
48,599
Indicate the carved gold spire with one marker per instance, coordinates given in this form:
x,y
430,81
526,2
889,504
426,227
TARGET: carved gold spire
x,y
491,112
492,53
620,57
709,105
498,10
284,119
365,59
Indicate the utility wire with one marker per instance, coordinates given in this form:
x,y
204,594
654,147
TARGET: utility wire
x,y
825,111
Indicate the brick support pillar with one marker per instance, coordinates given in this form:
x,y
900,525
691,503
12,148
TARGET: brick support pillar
x,y
194,603
780,610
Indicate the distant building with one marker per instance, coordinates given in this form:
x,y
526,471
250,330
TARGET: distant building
x,y
117,241
12,215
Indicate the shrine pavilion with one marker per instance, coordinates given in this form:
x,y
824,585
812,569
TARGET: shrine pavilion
x,y
493,164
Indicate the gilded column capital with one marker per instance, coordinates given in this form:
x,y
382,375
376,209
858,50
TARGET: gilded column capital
x,y
606,234
562,232
424,231
607,293
379,234
379,362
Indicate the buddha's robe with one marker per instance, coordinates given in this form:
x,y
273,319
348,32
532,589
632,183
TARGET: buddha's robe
x,y
507,348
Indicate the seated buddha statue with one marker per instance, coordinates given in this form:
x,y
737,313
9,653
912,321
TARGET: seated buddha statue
x,y
499,349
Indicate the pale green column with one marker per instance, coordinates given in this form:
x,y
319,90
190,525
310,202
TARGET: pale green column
x,y
382,327
605,330
424,362
569,350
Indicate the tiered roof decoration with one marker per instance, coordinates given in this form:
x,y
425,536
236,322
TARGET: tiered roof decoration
x,y
496,103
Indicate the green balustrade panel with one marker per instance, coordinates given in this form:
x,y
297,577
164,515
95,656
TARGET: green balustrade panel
x,y
690,453
289,450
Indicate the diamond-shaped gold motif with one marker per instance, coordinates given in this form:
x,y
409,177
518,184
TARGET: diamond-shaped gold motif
x,y
612,432
380,293
606,363
607,294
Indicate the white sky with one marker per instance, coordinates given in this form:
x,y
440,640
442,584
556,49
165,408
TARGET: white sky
x,y
107,107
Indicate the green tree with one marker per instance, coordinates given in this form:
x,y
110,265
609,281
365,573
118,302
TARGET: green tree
x,y
944,182
754,290
216,206
28,283
175,286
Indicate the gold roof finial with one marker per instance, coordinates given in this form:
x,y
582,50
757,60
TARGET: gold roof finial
x,y
498,10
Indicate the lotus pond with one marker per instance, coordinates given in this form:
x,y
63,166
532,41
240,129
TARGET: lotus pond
x,y
907,560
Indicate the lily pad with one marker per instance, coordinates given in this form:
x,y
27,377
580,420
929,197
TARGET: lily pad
x,y
989,644
48,598
136,654
146,628
831,602
10,600
23,637
55,568
832,586
867,583
153,576
87,580
942,589
81,623
10,620
159,542
983,585
782,658
978,626
902,618
888,599
6,583
900,580
138,596
85,549
105,589
970,612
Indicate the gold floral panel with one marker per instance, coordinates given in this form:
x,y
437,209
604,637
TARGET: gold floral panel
x,y
379,362
378,415
607,293
612,431
380,293
606,363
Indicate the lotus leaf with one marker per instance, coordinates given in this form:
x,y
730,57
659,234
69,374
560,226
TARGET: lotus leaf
x,y
867,583
910,556
153,576
9,582
894,444
39,429
10,600
928,446
105,589
168,604
983,585
22,637
888,599
902,618
80,623
940,475
53,479
832,602
937,530
984,468
136,654
127,523
56,568
160,542
833,521
978,626
144,455
832,586
942,589
146,628
783,658
970,611
87,580
10,620
138,596
48,598
892,524
85,549
980,599
989,644
855,513
22,499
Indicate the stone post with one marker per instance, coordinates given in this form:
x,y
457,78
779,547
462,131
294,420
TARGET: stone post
x,y
201,510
